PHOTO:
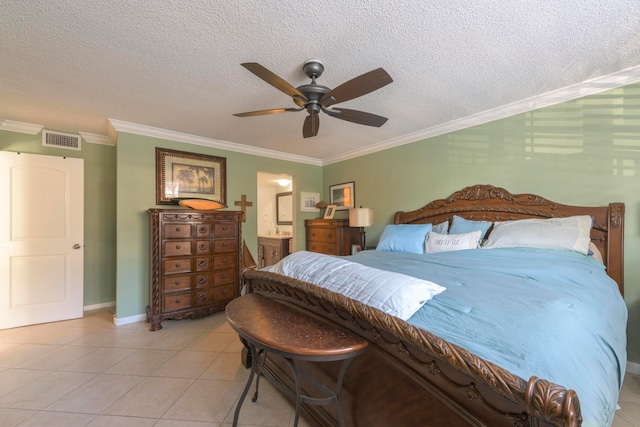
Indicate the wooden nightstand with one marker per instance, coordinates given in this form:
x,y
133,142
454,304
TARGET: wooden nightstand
x,y
331,236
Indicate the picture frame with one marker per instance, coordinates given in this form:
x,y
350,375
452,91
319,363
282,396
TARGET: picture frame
x,y
343,195
331,210
308,201
180,174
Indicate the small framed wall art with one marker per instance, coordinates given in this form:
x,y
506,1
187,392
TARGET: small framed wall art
x,y
308,202
343,195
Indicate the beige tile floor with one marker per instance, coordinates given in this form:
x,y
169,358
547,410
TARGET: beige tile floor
x,y
88,372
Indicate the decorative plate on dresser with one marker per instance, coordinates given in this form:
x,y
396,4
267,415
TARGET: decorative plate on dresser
x,y
195,259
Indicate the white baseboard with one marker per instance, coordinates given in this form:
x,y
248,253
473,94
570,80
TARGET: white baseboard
x,y
131,319
633,368
99,306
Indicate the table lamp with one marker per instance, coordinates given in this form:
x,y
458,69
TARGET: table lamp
x,y
361,217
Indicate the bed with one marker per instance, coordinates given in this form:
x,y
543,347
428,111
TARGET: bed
x,y
441,365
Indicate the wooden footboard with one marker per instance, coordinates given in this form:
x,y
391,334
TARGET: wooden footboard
x,y
412,377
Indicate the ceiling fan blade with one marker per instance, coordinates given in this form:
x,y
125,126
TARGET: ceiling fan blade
x,y
272,79
264,112
311,125
356,116
358,86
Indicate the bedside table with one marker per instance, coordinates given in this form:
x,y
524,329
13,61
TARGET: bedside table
x,y
331,236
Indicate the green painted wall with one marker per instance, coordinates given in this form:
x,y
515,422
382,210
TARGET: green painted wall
x,y
136,194
99,209
583,152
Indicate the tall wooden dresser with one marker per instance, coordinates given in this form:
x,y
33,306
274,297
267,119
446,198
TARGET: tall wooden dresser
x,y
195,259
331,236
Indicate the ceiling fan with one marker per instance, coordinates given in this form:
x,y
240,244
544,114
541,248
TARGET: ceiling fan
x,y
315,98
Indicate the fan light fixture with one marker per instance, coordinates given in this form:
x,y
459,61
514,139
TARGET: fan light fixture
x,y
316,98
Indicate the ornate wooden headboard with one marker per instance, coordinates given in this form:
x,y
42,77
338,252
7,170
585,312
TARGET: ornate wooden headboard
x,y
489,203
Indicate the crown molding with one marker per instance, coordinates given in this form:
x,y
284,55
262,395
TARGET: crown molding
x,y
569,93
21,127
122,126
97,139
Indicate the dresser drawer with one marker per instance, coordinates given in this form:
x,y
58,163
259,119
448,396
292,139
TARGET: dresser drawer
x,y
323,248
203,247
224,245
327,235
203,263
203,297
203,230
173,230
177,247
224,229
177,301
202,280
177,283
224,293
224,277
178,265
224,261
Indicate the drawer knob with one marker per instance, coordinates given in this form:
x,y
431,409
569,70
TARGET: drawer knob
x,y
202,297
177,265
202,262
203,246
177,246
177,300
177,283
224,245
203,230
201,279
177,228
224,260
224,276
224,292
225,228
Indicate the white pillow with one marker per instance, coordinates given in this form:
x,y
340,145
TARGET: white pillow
x,y
396,294
570,233
452,242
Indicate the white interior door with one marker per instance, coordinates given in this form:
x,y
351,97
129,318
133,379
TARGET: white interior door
x,y
41,238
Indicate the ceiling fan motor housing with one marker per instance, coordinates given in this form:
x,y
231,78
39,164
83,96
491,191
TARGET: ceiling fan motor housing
x,y
313,68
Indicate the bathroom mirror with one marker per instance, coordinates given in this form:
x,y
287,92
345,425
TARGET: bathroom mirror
x,y
284,208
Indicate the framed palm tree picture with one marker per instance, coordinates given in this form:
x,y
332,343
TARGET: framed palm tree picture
x,y
180,174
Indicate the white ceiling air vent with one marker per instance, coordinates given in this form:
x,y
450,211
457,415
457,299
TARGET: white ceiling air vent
x,y
60,140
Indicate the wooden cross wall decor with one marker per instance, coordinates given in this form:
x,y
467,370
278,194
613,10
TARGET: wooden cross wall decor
x,y
243,205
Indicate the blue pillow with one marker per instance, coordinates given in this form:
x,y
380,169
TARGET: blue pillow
x,y
404,238
442,228
461,226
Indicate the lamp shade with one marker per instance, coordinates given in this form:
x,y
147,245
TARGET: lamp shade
x,y
360,217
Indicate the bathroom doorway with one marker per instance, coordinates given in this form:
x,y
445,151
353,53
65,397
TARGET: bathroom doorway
x,y
276,217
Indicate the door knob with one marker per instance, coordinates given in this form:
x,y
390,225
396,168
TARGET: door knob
x,y
77,246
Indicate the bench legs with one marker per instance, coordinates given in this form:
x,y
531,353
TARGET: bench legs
x,y
258,357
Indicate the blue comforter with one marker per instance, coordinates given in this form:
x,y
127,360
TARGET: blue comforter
x,y
552,314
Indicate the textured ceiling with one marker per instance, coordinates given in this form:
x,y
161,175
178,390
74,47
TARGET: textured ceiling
x,y
175,64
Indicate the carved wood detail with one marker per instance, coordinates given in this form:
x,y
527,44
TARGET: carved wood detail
x,y
477,390
394,335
